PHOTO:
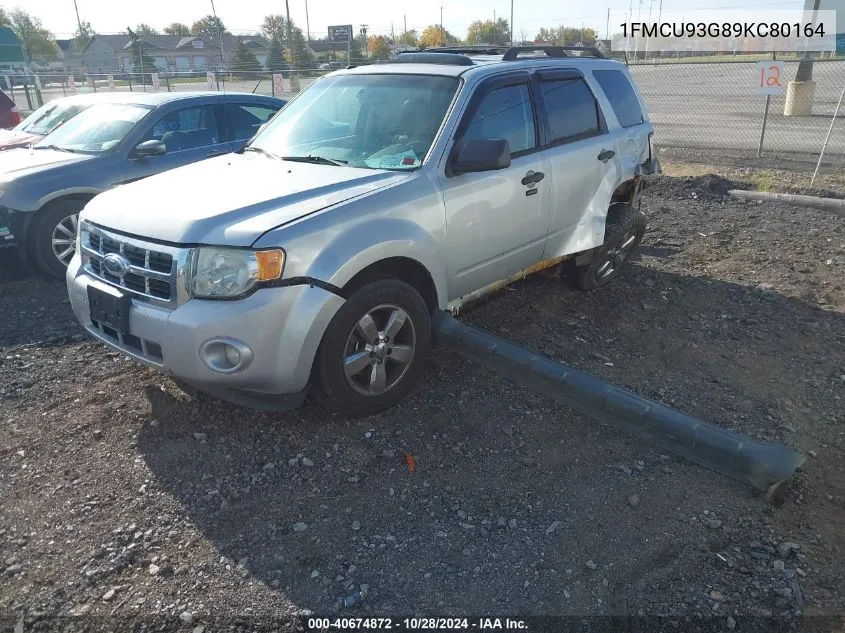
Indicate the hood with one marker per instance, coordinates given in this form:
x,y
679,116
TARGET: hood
x,y
229,200
18,162
16,138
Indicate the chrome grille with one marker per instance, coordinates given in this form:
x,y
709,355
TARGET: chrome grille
x,y
156,271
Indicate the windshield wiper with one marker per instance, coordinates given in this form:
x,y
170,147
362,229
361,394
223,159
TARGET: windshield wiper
x,y
58,148
316,160
260,150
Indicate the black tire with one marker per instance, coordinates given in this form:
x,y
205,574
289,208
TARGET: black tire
x,y
623,223
49,218
343,340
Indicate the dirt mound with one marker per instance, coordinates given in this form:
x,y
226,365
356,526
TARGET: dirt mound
x,y
710,187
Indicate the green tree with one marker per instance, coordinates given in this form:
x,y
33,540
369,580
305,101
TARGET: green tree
x,y
433,35
37,42
145,29
566,36
356,56
177,28
141,63
5,20
82,36
244,60
209,25
276,57
409,38
274,27
300,57
488,33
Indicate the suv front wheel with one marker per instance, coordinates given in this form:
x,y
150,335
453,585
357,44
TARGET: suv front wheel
x,y
374,349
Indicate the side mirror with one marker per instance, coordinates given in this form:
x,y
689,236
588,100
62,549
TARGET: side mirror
x,y
150,148
482,155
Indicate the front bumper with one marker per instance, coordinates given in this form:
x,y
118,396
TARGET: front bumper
x,y
282,326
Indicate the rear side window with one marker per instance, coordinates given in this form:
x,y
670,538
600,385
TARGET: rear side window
x,y
571,108
621,95
245,119
6,100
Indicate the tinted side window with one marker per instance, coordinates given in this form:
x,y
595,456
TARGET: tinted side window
x,y
621,96
244,120
505,113
187,128
571,108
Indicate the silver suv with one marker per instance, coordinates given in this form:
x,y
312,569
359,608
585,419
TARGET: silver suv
x,y
315,259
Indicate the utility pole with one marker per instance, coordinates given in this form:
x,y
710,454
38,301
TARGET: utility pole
x,y
219,41
364,38
290,36
607,26
511,22
494,27
442,32
307,24
79,22
405,23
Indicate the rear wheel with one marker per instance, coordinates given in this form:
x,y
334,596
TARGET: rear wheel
x,y
374,349
623,233
54,242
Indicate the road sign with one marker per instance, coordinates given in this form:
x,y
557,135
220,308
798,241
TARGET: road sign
x,y
341,33
156,81
71,83
38,82
278,85
770,78
209,80
110,80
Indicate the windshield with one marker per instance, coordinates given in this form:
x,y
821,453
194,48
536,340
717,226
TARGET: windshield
x,y
371,121
96,129
48,117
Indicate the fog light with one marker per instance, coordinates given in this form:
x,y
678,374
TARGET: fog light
x,y
225,355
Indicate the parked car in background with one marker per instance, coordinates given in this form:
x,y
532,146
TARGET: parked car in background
x,y
43,121
118,138
9,115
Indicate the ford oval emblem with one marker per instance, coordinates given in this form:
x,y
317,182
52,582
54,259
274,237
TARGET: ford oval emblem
x,y
116,265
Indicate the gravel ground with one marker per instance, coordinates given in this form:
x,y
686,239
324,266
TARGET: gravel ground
x,y
125,505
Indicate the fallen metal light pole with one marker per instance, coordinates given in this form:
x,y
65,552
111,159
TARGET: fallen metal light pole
x,y
765,466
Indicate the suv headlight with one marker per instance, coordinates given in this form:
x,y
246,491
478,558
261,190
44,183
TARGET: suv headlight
x,y
231,273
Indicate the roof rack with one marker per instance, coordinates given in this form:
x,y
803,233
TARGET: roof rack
x,y
480,49
551,51
446,58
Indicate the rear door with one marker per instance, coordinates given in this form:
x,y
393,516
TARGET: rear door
x,y
244,118
584,159
191,133
633,128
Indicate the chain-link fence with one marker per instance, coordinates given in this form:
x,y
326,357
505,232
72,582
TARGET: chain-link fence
x,y
29,92
714,106
693,104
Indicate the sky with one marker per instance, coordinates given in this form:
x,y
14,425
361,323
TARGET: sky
x,y
243,16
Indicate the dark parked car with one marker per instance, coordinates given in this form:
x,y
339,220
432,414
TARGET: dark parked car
x,y
119,138
43,121
9,115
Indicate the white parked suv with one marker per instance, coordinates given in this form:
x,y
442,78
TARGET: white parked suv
x,y
314,260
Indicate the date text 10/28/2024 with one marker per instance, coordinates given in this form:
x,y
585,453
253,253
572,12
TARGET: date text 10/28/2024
x,y
414,624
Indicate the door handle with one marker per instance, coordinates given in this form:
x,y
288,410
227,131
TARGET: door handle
x,y
533,177
606,155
